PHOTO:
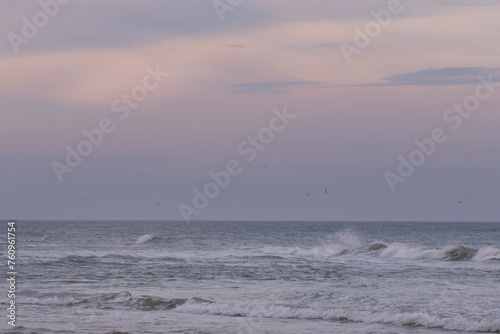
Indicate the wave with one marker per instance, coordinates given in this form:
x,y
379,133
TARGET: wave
x,y
148,303
328,251
449,253
376,245
142,302
124,298
203,306
322,251
487,253
381,250
145,238
83,258
458,323
343,243
349,245
54,301
91,259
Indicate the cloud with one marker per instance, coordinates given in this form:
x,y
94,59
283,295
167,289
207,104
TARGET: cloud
x,y
272,87
125,23
328,45
118,24
439,77
442,76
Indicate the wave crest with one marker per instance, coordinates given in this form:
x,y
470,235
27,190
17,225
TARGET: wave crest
x,y
376,245
449,253
460,253
143,302
145,238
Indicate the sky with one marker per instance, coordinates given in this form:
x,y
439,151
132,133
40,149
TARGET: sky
x,y
250,110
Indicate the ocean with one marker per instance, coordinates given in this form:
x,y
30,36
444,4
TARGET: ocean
x,y
254,277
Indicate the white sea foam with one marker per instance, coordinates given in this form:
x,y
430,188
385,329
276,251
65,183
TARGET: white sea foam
x,y
347,243
382,250
144,238
341,243
487,253
458,323
349,240
320,251
403,251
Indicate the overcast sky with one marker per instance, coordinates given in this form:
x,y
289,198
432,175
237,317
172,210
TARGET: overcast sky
x,y
358,106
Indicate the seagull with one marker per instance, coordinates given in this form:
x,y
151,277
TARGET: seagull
x,y
459,202
157,203
265,165
307,194
326,191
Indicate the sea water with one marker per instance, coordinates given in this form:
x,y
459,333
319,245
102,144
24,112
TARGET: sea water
x,y
254,277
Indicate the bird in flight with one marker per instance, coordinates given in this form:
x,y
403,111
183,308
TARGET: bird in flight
x,y
326,191
308,194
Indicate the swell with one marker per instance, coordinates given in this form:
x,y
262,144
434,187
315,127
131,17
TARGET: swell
x,y
107,300
112,259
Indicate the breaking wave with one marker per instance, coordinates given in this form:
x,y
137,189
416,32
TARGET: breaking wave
x,y
344,243
458,323
145,238
449,253
202,306
487,253
376,246
145,303
350,245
